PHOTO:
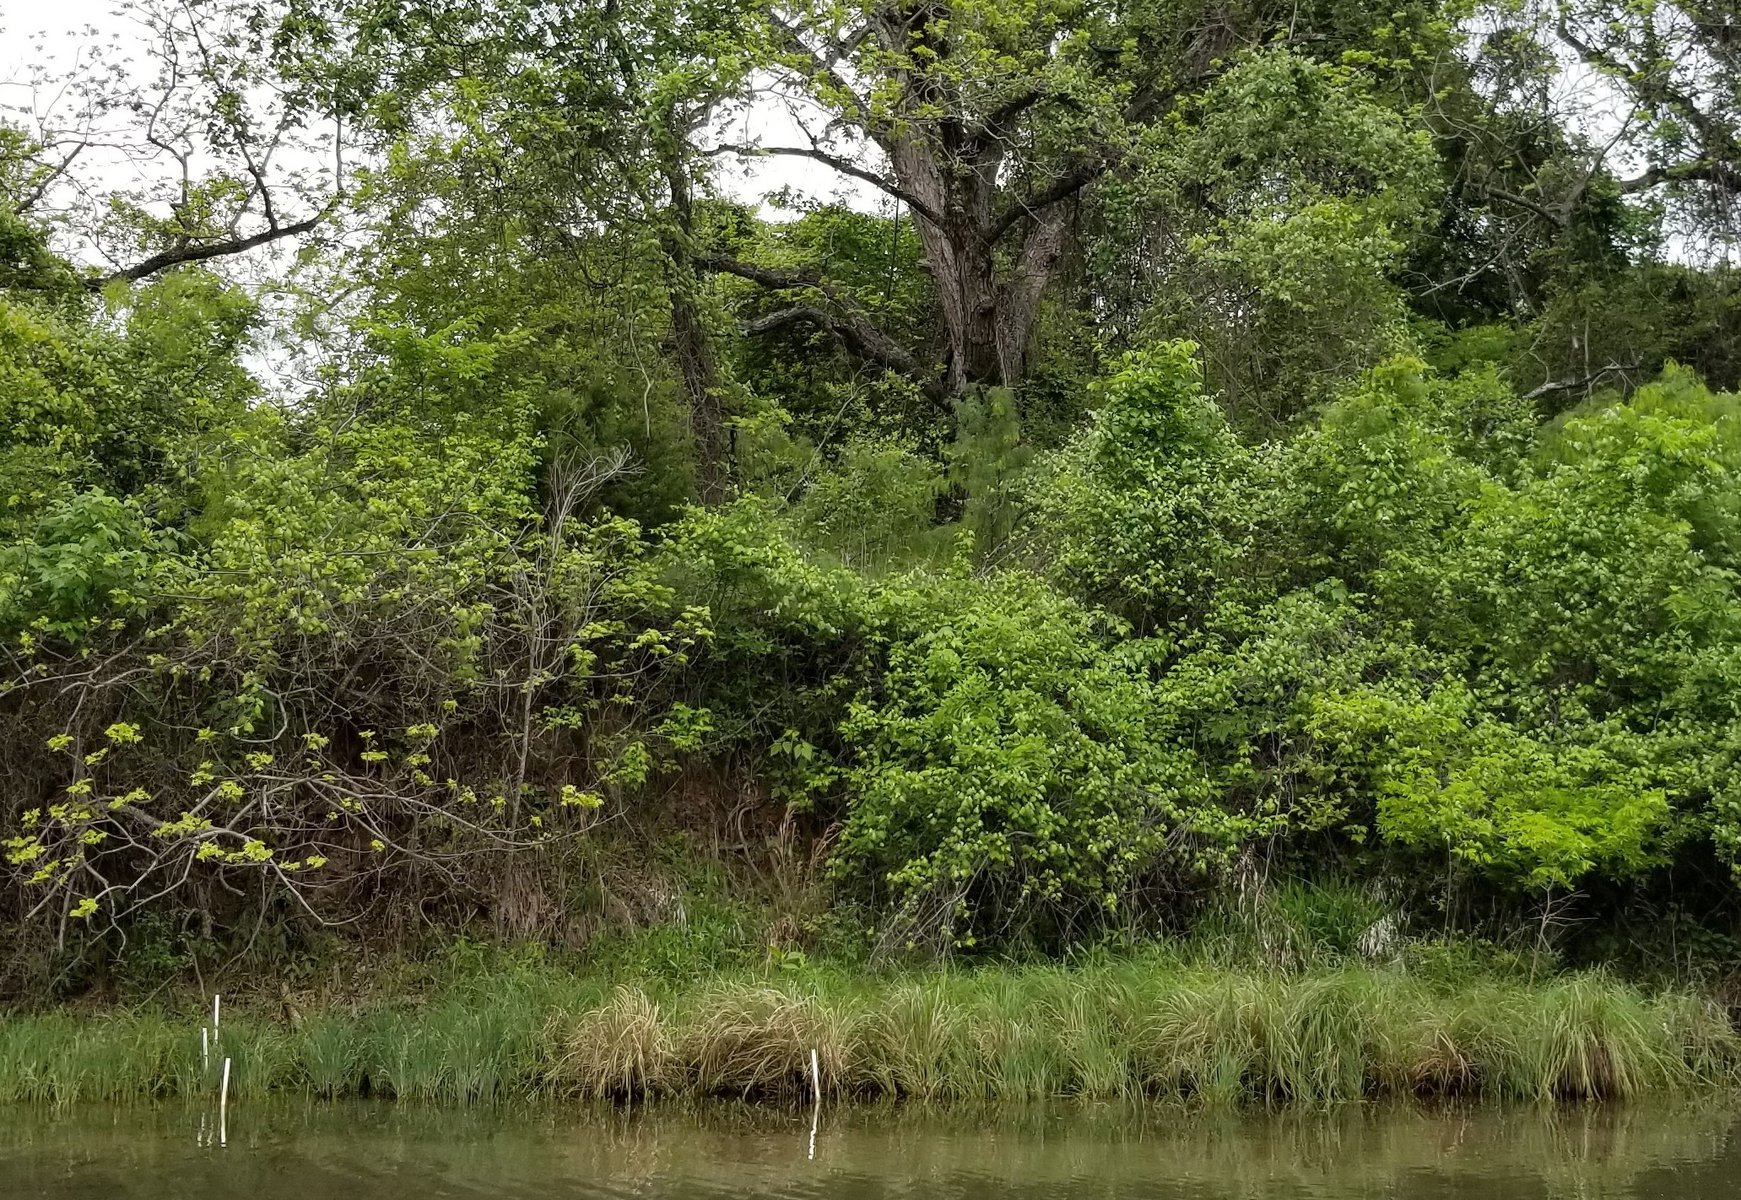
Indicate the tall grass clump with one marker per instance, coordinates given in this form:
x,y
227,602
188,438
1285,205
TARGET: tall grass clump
x,y
621,1050
919,1042
60,1059
1021,1048
1586,1037
1153,1027
755,1041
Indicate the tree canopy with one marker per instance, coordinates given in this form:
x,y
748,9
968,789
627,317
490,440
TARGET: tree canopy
x,y
1233,440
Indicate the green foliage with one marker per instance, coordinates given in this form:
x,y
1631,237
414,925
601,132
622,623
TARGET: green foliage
x,y
1008,760
1143,511
89,559
1296,192
1391,468
1451,779
128,410
874,505
1086,546
999,757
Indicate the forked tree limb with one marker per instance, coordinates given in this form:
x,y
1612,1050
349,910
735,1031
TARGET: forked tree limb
x,y
856,330
206,251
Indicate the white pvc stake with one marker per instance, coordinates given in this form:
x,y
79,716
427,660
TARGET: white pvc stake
x,y
816,1090
205,1049
215,999
223,1106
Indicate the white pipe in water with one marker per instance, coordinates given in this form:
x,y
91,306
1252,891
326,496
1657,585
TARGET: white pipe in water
x,y
816,1090
223,1106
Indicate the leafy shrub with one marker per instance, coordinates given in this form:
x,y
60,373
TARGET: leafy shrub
x,y
1145,513
1009,761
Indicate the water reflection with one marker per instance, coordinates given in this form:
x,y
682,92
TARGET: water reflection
x,y
383,1152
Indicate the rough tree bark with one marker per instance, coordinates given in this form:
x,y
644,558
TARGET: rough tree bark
x,y
949,170
691,343
991,247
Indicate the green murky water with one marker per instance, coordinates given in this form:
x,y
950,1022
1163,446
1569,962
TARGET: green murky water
x,y
363,1152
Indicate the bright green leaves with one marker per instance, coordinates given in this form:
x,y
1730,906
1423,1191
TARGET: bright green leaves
x,y
1007,765
1581,601
1144,509
300,622
1454,781
89,561
1424,628
84,404
55,385
992,755
1383,477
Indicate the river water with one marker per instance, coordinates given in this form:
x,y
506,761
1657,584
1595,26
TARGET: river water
x,y
384,1152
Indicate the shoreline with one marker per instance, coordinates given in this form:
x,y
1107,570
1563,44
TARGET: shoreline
x,y
1137,1029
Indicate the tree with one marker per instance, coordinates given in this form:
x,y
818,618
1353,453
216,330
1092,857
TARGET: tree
x,y
1679,63
224,145
990,121
563,130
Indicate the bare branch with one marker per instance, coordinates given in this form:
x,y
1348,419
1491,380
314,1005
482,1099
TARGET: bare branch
x,y
846,167
185,255
857,333
828,68
1552,386
856,329
1558,218
1062,188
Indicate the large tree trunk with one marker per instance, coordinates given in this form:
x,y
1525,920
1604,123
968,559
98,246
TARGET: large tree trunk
x,y
967,295
988,311
988,292
692,345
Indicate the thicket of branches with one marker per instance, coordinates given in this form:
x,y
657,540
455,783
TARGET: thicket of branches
x,y
1248,440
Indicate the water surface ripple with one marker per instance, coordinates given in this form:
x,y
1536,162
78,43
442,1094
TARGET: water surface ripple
x,y
384,1152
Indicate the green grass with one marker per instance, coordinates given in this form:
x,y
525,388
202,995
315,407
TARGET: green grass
x,y
1151,1027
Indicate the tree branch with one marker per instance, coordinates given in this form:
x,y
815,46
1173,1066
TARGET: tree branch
x,y
184,255
770,277
846,167
859,336
1061,188
996,121
1524,202
26,202
1717,143
855,329
1571,385
1710,171
827,69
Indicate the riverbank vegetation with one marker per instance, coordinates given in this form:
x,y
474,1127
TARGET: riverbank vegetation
x,y
1154,1028
1250,477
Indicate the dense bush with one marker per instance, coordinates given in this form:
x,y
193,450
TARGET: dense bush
x,y
909,566
1424,637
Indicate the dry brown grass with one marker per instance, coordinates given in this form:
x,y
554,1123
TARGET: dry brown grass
x,y
623,1049
755,1041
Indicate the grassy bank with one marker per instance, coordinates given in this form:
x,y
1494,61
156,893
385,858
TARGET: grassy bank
x,y
1143,1028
